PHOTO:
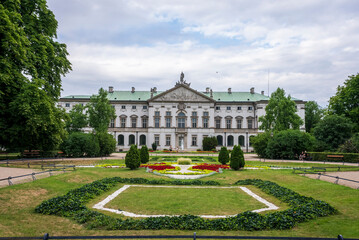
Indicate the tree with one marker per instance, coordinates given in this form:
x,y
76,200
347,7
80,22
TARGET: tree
x,y
132,159
209,143
79,144
313,114
77,119
346,100
106,142
332,131
223,156
100,111
144,155
260,143
30,59
235,158
280,113
351,145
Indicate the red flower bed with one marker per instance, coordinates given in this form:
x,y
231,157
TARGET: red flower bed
x,y
157,166
212,167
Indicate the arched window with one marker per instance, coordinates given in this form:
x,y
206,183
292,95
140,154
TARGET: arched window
x,y
121,140
181,120
131,140
241,141
143,140
220,140
230,140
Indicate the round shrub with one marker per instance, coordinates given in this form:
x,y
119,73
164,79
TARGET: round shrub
x,y
132,159
209,143
223,156
144,155
79,144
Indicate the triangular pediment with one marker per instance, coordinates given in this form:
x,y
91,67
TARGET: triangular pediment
x,y
181,93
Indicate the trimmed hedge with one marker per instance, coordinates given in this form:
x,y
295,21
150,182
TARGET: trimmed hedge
x,y
322,156
73,205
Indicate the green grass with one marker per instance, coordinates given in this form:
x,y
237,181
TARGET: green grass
x,y
17,217
180,201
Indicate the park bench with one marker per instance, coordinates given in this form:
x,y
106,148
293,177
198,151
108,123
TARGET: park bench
x,y
339,157
31,153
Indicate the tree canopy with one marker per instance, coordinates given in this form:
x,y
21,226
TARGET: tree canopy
x,y
77,119
346,100
280,113
313,114
31,60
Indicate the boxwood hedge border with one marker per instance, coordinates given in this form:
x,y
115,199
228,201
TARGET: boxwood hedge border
x,y
72,205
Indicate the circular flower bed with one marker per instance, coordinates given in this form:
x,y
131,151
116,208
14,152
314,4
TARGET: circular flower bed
x,y
206,166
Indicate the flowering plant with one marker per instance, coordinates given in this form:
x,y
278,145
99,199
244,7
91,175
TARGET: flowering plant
x,y
206,166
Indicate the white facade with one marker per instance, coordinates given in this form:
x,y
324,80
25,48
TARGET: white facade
x,y
181,117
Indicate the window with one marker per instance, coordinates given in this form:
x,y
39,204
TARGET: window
x,y
133,122
168,122
157,113
218,108
143,140
194,140
228,123
228,108
168,113
123,107
112,123
194,114
194,122
123,122
121,140
241,140
239,123
168,140
181,120
157,140
144,107
250,108
67,105
144,122
230,140
205,122
157,122
220,140
239,108
133,107
205,114
250,123
131,140
218,123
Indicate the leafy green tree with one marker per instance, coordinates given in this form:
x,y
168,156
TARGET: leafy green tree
x,y
209,143
132,159
77,119
100,111
332,131
351,145
30,59
289,144
313,114
106,142
346,100
144,155
79,144
280,113
223,156
260,143
235,158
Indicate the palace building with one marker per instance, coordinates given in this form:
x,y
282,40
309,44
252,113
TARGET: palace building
x,y
179,118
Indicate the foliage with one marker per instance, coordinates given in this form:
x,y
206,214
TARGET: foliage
x,y
346,100
280,113
80,144
144,155
313,114
260,143
184,161
332,131
132,159
322,156
73,205
235,158
31,66
77,119
106,142
242,162
223,156
351,145
100,111
289,144
154,146
209,143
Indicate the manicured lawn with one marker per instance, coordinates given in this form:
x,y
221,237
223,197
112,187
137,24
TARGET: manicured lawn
x,y
17,216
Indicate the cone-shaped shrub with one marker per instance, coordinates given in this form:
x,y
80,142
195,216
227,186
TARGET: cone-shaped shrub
x,y
132,159
235,158
223,156
241,158
144,155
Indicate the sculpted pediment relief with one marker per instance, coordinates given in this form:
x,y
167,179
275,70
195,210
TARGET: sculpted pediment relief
x,y
181,94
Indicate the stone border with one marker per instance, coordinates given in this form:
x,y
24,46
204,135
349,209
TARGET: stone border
x,y
101,205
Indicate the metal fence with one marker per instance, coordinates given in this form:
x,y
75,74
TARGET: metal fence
x,y
194,237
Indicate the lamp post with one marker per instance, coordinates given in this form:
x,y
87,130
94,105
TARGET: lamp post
x,y
247,142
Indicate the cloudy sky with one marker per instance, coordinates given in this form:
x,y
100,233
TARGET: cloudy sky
x,y
308,47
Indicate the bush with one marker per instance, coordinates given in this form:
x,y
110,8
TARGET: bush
x,y
144,155
223,156
80,144
289,144
154,146
132,159
260,143
351,145
242,163
107,143
209,143
184,161
235,158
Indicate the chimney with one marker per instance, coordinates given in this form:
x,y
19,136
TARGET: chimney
x,y
211,95
262,92
229,90
207,89
155,89
133,90
110,89
252,90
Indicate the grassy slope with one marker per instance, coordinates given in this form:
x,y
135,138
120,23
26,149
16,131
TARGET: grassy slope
x,y
17,217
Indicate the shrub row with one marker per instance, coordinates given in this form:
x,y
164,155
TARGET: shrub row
x,y
322,156
72,205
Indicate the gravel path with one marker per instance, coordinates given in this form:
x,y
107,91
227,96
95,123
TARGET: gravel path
x,y
347,175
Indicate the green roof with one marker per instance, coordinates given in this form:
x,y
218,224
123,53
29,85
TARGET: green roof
x,y
237,97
